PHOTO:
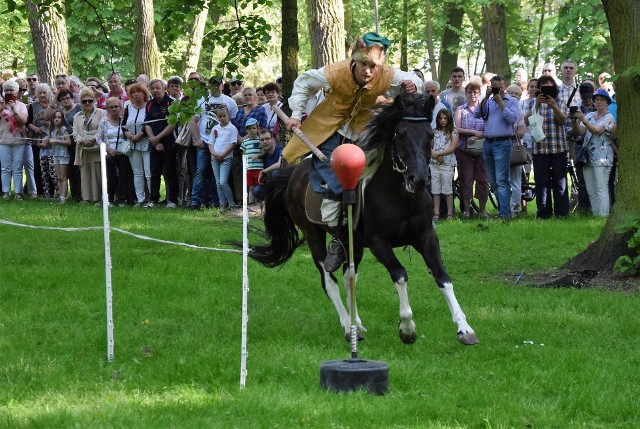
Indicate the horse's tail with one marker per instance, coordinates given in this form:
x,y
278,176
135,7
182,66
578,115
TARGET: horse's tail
x,y
280,229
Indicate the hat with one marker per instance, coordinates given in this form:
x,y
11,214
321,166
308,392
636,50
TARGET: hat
x,y
586,90
602,93
214,80
250,121
235,79
370,48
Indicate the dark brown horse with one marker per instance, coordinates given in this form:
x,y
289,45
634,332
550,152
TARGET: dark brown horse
x,y
397,212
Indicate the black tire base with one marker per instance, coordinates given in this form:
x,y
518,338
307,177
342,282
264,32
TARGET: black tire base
x,y
353,374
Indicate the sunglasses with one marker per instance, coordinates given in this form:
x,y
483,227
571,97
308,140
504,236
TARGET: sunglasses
x,y
24,89
88,101
237,83
547,70
32,79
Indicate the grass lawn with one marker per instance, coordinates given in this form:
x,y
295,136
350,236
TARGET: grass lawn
x,y
547,358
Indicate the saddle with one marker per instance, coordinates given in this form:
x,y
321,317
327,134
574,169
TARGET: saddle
x,y
313,201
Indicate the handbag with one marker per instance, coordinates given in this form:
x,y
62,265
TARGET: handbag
x,y
184,136
582,155
519,154
475,148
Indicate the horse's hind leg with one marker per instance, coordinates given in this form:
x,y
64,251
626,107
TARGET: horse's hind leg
x,y
431,254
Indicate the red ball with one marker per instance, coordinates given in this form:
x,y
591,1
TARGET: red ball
x,y
347,162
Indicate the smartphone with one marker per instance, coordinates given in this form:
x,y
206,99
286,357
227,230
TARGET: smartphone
x,y
547,91
495,90
10,97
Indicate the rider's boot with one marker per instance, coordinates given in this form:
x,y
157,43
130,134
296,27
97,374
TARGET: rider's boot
x,y
337,251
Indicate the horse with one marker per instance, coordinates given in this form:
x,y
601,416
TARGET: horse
x,y
397,212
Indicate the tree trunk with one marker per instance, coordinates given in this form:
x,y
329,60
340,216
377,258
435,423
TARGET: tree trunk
x,y
495,39
428,32
624,20
192,53
326,30
147,56
450,42
50,44
289,49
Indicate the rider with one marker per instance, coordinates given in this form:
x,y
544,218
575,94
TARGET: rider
x,y
352,88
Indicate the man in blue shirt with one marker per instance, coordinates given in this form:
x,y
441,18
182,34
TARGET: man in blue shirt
x,y
500,112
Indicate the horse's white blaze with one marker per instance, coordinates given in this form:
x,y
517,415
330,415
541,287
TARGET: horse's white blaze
x,y
457,315
333,292
407,325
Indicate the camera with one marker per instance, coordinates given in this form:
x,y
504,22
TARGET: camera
x,y
573,110
10,97
495,90
547,91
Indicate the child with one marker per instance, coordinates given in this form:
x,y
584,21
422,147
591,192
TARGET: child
x,y
251,147
222,140
443,161
59,141
49,178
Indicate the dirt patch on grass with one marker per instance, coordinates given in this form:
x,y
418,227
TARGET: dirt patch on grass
x,y
585,279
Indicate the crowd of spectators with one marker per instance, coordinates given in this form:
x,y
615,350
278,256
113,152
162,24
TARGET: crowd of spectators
x,y
50,137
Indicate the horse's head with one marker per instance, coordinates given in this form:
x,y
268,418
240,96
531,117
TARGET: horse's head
x,y
411,144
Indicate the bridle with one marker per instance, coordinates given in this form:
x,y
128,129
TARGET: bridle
x,y
398,163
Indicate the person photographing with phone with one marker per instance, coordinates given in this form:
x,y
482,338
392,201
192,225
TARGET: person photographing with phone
x,y
500,112
550,154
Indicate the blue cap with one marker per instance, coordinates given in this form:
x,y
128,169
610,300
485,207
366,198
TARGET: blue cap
x,y
602,93
250,121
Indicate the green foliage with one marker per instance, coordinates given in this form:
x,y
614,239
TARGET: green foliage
x,y
15,52
583,35
90,53
629,265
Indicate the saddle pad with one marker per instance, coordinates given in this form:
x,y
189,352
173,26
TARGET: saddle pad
x,y
313,201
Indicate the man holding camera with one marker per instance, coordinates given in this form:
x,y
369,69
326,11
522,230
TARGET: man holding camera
x,y
500,112
550,154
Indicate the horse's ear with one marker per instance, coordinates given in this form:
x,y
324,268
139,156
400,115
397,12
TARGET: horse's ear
x,y
398,101
429,104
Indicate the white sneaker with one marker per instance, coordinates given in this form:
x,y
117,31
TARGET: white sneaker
x,y
149,205
18,197
5,196
171,205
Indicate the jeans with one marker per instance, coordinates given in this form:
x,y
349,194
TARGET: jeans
x,y
140,164
29,167
550,174
11,159
596,179
204,183
515,179
497,158
323,179
221,172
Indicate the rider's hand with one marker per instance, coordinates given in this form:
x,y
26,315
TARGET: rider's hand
x,y
292,122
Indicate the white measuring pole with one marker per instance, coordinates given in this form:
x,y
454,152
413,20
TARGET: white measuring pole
x,y
107,251
245,276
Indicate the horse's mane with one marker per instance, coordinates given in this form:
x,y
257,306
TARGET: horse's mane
x,y
380,129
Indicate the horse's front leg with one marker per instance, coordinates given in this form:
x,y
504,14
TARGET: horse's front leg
x,y
430,251
383,251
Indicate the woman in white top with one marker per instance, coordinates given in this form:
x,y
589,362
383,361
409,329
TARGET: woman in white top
x,y
140,158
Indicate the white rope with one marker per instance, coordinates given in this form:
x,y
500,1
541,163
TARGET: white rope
x,y
122,231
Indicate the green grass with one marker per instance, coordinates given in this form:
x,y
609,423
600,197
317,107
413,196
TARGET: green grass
x,y
177,314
